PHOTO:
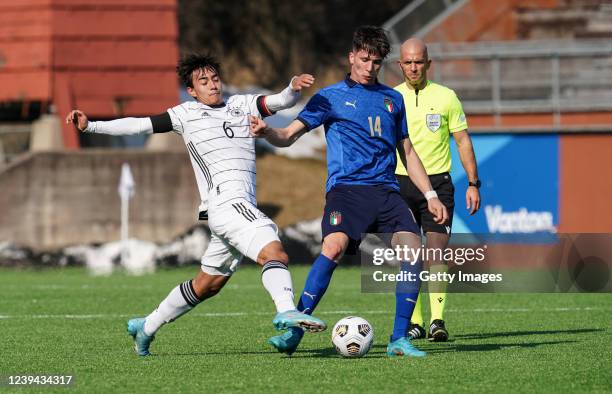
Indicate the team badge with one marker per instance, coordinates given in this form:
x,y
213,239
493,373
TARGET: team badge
x,y
335,218
389,105
433,121
236,112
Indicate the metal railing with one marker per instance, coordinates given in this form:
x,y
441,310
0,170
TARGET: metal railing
x,y
417,17
553,76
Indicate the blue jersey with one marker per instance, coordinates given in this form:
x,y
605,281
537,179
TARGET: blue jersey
x,y
363,125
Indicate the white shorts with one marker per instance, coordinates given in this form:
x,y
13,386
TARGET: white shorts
x,y
238,229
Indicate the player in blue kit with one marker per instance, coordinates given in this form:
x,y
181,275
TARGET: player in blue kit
x,y
364,123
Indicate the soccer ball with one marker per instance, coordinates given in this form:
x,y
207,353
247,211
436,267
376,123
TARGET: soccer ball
x,y
352,336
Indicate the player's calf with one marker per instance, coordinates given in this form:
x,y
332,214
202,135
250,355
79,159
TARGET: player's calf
x,y
207,286
179,301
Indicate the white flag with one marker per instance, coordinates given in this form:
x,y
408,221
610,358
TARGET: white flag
x,y
126,183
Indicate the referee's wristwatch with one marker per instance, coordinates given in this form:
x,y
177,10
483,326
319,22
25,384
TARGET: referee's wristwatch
x,y
475,184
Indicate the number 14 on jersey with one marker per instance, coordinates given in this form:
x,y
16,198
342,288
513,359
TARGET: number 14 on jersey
x,y
375,126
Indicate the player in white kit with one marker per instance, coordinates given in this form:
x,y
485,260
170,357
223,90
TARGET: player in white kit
x,y
222,152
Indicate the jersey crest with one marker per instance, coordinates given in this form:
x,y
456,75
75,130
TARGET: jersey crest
x,y
389,105
236,112
433,122
335,218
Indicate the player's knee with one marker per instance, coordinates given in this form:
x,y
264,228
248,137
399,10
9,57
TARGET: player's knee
x,y
333,250
274,251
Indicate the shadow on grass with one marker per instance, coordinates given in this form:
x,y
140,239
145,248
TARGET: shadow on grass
x,y
524,333
487,347
379,350
331,352
447,347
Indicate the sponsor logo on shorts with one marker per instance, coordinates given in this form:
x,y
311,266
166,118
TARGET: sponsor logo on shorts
x,y
335,218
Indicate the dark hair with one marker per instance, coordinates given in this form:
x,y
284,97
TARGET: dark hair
x,y
372,39
193,62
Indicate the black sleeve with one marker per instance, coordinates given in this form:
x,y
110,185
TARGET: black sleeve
x,y
161,123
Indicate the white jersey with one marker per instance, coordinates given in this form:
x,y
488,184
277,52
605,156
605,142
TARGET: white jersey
x,y
222,154
220,146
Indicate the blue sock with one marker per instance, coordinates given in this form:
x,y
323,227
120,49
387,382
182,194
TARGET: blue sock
x,y
406,294
316,284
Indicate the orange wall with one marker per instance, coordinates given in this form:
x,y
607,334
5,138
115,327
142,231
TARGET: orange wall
x,y
91,55
484,20
585,177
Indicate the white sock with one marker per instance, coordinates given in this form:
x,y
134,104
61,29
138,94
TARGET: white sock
x,y
181,300
277,280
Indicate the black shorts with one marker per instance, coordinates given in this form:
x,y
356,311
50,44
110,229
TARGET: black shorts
x,y
443,185
360,209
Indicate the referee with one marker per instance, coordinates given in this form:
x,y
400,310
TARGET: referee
x,y
434,113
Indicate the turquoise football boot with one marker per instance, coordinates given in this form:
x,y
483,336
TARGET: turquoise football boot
x,y
284,320
135,328
287,342
403,347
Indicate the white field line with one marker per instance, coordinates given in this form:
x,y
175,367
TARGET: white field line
x,y
230,286
338,312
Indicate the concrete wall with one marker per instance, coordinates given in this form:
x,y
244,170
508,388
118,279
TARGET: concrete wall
x,y
54,199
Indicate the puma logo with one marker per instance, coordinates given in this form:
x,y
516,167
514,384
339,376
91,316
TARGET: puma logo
x,y
349,104
312,296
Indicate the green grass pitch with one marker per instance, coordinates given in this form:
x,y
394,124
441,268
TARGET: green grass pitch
x,y
66,322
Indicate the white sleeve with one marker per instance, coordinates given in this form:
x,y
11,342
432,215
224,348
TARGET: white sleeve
x,y
176,113
283,100
123,126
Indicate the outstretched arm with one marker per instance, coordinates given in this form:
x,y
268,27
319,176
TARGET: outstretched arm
x,y
288,97
419,177
278,137
124,126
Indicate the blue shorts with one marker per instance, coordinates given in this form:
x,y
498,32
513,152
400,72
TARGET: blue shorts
x,y
359,209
